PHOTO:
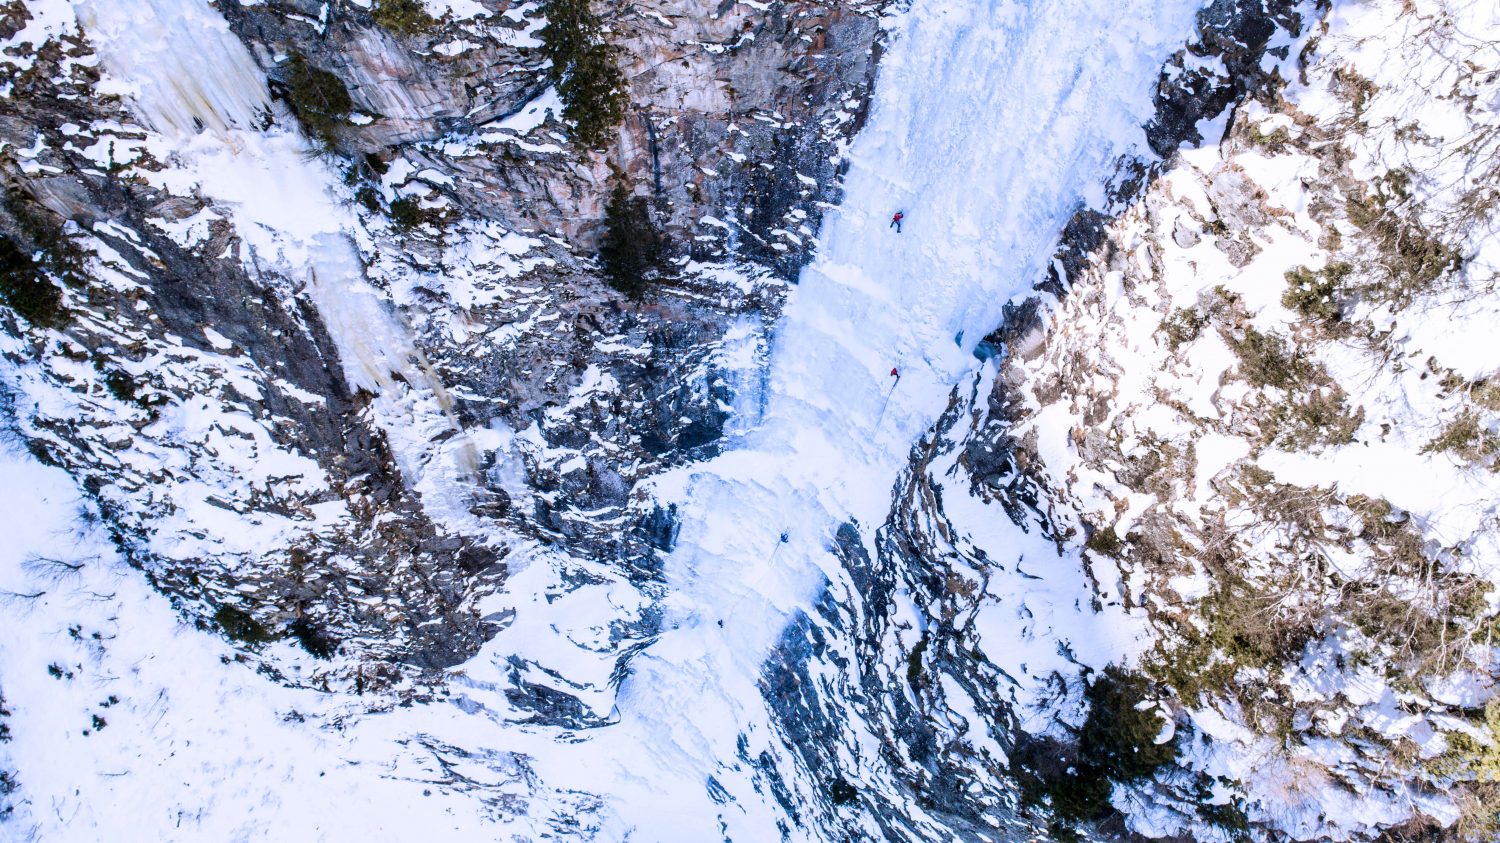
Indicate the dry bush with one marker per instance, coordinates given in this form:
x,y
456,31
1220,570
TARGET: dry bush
x,y
1267,360
1182,326
403,17
1467,438
1316,296
1413,602
1320,419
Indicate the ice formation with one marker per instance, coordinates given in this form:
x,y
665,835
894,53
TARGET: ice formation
x,y
184,69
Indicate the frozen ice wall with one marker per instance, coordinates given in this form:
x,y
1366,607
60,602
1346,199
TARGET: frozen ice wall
x,y
178,62
184,71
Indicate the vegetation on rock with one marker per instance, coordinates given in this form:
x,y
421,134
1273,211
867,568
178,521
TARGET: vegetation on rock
x,y
1467,438
1121,732
1409,259
1266,360
35,261
407,213
1117,743
26,289
1182,326
318,98
1315,295
239,625
314,640
1321,418
403,17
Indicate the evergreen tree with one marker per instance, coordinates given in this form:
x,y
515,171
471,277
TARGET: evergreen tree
x,y
319,99
584,70
25,287
632,248
403,17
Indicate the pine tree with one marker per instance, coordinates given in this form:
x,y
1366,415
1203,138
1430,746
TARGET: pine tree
x,y
403,17
25,287
632,248
584,70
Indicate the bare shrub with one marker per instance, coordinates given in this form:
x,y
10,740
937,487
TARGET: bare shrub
x,y
1267,360
1466,438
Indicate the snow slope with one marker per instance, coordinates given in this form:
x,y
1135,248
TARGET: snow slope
x,y
128,725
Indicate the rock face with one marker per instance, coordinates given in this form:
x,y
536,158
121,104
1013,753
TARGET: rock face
x,y
735,119
787,93
1220,69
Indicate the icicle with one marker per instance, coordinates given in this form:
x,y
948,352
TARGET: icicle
x,y
186,69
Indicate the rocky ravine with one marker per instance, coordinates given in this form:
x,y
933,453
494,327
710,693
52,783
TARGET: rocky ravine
x,y
341,417
192,379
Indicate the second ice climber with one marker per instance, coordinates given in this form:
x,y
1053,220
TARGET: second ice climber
x,y
896,221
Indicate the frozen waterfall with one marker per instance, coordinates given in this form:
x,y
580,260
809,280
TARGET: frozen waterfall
x,y
189,77
178,63
992,122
